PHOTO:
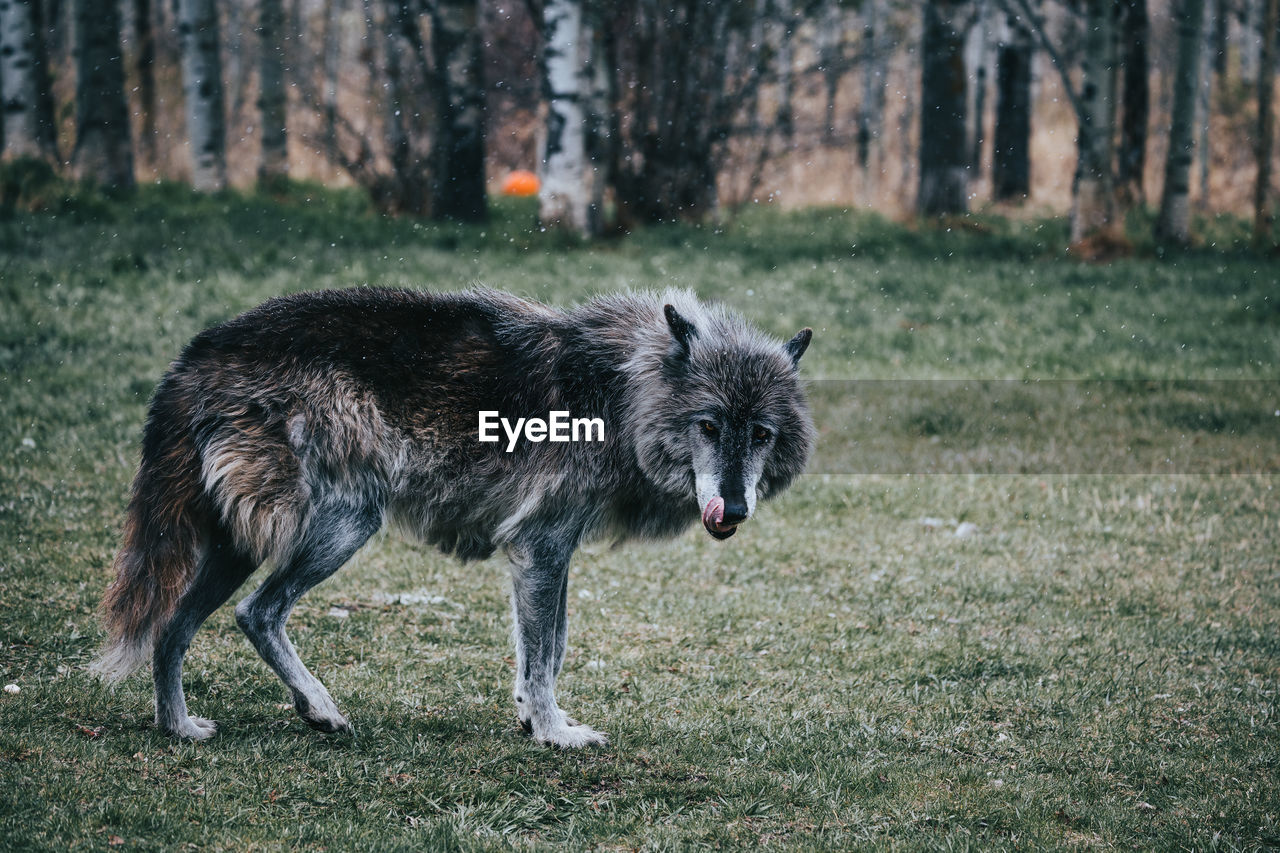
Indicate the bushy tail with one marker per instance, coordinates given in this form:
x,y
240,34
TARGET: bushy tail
x,y
163,536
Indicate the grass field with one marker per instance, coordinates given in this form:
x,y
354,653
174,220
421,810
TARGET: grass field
x,y
1093,665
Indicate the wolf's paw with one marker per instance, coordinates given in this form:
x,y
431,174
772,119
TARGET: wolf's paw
x,y
527,725
322,715
571,736
191,728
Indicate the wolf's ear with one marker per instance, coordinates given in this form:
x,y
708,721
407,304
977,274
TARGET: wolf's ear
x,y
682,329
797,345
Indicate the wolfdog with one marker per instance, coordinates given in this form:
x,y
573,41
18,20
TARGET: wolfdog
x,y
290,433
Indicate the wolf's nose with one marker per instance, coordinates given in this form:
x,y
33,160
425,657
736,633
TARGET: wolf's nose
x,y
734,512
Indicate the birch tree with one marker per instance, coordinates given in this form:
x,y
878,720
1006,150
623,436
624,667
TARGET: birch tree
x,y
24,82
977,48
1093,99
569,196
202,93
944,156
1174,223
457,151
273,166
1093,205
1011,162
104,151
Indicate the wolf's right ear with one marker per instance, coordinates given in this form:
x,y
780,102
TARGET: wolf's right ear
x,y
682,329
797,345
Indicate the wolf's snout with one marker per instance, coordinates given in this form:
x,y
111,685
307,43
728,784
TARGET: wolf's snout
x,y
716,520
735,512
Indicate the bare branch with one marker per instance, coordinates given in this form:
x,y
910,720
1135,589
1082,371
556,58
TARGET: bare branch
x,y
1023,8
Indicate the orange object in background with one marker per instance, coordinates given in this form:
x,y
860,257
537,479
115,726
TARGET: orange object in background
x,y
521,183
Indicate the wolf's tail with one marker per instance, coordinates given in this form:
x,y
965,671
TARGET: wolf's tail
x,y
164,533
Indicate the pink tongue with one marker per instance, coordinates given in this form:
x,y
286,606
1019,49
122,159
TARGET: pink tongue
x,y
713,513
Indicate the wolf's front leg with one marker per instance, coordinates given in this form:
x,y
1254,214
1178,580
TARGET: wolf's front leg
x,y
540,578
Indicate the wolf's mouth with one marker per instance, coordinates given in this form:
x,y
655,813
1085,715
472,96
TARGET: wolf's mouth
x,y
713,520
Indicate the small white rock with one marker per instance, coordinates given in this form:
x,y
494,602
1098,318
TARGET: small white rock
x,y
966,529
12,688
931,523
29,443
339,612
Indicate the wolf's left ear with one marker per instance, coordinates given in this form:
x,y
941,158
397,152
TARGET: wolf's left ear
x,y
682,329
797,345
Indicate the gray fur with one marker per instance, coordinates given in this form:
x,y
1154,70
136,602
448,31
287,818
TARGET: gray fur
x,y
316,416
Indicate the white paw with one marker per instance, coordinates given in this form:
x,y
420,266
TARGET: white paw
x,y
321,714
191,728
570,737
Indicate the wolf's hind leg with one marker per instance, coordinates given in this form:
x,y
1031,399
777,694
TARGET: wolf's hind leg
x,y
335,531
222,569
538,600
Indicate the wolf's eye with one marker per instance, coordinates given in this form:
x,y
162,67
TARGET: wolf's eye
x,y
709,429
760,435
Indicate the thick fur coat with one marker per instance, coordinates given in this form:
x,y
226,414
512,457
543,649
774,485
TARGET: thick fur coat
x,y
291,433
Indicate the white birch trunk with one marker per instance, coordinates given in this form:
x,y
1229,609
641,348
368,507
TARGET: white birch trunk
x,y
1093,203
565,197
1251,40
202,93
977,58
21,73
1174,224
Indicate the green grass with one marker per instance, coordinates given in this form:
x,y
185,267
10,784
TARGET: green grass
x,y
1095,667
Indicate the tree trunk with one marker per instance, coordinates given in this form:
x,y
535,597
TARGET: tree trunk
x,y
1093,206
24,82
871,110
457,151
145,67
676,73
202,93
943,155
104,151
1204,100
784,123
1266,126
1251,17
406,190
1011,162
273,167
567,198
830,49
977,51
332,58
1132,156
1174,224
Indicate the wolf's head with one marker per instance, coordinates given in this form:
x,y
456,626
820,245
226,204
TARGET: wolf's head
x,y
728,423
